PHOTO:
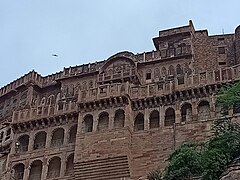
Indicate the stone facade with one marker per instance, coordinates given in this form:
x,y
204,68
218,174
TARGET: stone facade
x,y
119,118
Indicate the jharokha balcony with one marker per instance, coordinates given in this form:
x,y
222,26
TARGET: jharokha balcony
x,y
41,112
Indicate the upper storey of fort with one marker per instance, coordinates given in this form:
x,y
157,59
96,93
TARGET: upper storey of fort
x,y
181,51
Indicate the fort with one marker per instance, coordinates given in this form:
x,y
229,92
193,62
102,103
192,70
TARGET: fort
x,y
119,118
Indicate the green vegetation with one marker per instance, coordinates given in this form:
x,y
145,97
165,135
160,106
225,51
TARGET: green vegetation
x,y
209,159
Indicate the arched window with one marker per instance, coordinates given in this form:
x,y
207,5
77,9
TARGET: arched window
x,y
139,122
156,73
40,140
22,144
169,117
154,119
57,137
54,168
50,100
179,69
36,170
203,110
119,118
87,123
69,165
171,70
72,134
19,171
186,112
164,72
103,121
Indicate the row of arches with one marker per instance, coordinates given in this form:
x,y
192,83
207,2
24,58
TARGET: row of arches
x,y
103,121
53,168
170,71
40,139
203,111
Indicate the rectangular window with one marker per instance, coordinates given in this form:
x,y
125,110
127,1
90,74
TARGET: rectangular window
x,y
148,76
221,50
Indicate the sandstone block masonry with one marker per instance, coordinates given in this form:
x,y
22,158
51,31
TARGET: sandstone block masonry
x,y
119,118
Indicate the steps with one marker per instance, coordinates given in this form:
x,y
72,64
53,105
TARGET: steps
x,y
103,169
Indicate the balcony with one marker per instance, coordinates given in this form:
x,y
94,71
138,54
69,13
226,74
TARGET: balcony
x,y
43,111
104,91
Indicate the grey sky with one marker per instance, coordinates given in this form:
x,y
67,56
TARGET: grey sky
x,y
82,31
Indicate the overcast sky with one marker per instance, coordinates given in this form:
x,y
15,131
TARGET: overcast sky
x,y
83,31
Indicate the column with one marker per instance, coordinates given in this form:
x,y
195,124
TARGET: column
x,y
212,107
66,136
177,114
111,119
26,173
146,119
162,116
95,120
31,141
44,169
63,165
194,110
49,137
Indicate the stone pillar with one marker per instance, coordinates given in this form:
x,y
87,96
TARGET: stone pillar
x,y
63,166
162,116
178,116
26,173
194,110
31,141
95,121
80,122
212,106
66,136
111,119
49,138
146,119
44,169
30,94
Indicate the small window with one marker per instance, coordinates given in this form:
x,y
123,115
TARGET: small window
x,y
222,63
221,50
148,76
220,39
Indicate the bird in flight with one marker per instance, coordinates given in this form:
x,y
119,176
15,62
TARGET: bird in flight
x,y
55,55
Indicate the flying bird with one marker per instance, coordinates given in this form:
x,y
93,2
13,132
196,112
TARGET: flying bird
x,y
55,55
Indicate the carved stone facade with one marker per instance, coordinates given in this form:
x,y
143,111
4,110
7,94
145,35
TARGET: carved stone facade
x,y
118,118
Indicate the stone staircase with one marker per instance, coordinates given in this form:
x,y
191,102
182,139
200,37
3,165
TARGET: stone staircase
x,y
115,168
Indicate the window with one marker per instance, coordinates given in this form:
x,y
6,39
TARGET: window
x,y
221,50
148,76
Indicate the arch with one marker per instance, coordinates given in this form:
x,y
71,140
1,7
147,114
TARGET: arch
x,y
119,118
36,170
125,57
72,134
103,121
164,72
19,171
139,122
43,101
40,140
186,112
203,110
50,100
57,137
171,71
22,143
69,165
179,69
156,73
54,167
169,117
87,123
154,119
